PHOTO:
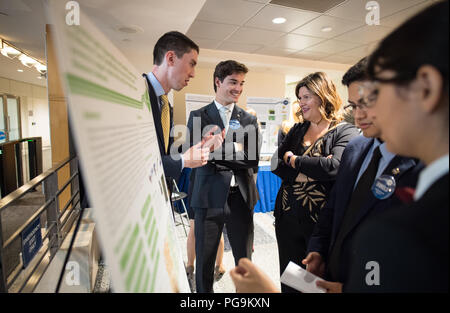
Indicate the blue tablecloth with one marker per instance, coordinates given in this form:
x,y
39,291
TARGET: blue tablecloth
x,y
267,184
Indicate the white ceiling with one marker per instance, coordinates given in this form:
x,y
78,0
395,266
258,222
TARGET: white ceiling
x,y
246,26
222,25
24,26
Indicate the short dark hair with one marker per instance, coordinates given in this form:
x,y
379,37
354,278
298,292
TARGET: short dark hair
x,y
356,73
421,40
173,41
225,68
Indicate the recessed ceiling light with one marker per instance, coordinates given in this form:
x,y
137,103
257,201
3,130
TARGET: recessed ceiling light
x,y
19,70
326,29
279,20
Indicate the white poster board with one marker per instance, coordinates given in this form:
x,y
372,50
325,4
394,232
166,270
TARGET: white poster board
x,y
195,102
117,145
270,113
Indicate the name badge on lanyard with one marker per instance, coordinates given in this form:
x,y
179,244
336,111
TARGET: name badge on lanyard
x,y
384,187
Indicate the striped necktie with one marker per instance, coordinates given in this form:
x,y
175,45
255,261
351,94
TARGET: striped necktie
x,y
224,113
165,120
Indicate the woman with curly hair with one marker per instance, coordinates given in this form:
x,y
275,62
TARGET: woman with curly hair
x,y
307,162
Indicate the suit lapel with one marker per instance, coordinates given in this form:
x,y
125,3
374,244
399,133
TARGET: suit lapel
x,y
396,168
214,116
352,167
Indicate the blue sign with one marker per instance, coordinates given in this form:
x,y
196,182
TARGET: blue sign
x,y
31,241
2,135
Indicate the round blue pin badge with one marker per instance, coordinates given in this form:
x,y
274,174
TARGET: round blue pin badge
x,y
384,187
234,124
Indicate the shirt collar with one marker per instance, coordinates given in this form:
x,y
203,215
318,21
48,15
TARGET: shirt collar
x,y
218,106
159,90
430,175
385,154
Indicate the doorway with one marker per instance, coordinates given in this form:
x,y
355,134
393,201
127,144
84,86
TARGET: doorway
x,y
10,124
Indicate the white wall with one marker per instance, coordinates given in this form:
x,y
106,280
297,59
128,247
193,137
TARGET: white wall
x,y
34,102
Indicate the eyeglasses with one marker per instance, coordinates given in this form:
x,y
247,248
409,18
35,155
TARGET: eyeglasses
x,y
369,93
351,107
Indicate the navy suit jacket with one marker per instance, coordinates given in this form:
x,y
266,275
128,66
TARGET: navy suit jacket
x,y
332,214
209,184
410,246
172,166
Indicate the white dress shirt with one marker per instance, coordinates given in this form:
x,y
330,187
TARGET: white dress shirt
x,y
159,91
430,175
226,123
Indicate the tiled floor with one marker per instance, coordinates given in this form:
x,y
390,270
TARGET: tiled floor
x,y
265,252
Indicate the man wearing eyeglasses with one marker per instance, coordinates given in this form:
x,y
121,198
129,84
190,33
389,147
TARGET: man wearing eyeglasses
x,y
370,180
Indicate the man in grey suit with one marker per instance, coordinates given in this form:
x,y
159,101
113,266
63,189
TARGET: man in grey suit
x,y
223,191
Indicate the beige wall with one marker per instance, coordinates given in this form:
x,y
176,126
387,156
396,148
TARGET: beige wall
x,y
269,76
257,84
33,99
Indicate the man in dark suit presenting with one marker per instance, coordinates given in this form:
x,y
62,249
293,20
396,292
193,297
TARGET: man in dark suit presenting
x,y
223,191
174,58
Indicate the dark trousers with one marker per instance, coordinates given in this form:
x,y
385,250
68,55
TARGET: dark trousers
x,y
209,224
293,229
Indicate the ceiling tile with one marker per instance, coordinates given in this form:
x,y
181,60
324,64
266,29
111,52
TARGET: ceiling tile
x,y
209,30
361,51
295,18
332,46
259,1
356,9
296,42
239,47
204,43
366,34
310,55
275,51
234,12
255,36
340,59
319,6
339,26
396,19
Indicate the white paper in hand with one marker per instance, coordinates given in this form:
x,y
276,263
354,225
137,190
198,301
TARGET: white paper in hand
x,y
296,277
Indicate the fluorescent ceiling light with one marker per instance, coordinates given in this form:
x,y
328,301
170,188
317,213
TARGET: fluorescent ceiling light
x,y
41,68
326,29
279,20
27,61
9,51
19,70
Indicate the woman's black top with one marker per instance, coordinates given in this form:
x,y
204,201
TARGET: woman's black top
x,y
316,164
